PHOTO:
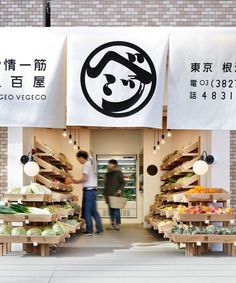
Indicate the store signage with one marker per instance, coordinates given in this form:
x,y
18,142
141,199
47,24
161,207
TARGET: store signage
x,y
202,80
32,79
116,77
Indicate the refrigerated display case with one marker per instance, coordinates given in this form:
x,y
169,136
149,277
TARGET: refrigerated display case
x,y
128,165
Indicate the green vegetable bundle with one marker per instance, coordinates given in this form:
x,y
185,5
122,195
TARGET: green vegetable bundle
x,y
6,210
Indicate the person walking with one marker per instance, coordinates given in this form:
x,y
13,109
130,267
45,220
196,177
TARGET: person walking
x,y
113,186
89,202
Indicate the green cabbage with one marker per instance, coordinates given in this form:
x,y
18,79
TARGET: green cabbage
x,y
34,232
5,230
49,232
64,228
18,231
57,229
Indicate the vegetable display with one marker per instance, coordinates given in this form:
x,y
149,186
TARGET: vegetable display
x,y
49,232
59,228
203,210
5,230
18,231
20,208
34,232
211,230
6,210
33,188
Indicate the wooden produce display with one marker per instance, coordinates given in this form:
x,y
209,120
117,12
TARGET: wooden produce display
x,y
46,209
206,207
198,244
178,177
54,168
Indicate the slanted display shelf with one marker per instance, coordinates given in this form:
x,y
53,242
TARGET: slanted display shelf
x,y
177,178
54,168
178,157
48,205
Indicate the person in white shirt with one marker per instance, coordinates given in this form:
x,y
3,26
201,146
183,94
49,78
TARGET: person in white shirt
x,y
89,203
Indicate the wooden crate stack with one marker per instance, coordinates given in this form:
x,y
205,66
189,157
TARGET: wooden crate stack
x,y
176,165
198,244
54,169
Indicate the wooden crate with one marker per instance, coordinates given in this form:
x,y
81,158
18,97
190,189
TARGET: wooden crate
x,y
34,239
47,151
165,227
170,213
33,244
23,217
205,238
190,150
182,185
219,195
28,197
185,167
204,217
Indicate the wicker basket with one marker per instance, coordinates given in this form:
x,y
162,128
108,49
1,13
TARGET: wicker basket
x,y
117,202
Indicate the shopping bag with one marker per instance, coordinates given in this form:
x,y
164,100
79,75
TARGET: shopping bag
x,y
117,202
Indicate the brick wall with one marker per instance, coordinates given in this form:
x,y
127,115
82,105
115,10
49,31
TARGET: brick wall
x,y
3,159
143,13
21,13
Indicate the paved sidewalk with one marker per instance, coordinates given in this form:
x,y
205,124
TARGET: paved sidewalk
x,y
148,261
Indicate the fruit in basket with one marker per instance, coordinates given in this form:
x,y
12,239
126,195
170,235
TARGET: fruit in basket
x,y
229,210
203,210
182,209
34,232
5,230
201,190
168,208
18,231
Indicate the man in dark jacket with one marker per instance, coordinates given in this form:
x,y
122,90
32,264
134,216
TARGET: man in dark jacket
x,y
114,185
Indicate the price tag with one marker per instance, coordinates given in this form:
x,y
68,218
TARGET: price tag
x,y
199,244
19,200
27,221
5,201
35,244
207,221
232,221
214,200
234,244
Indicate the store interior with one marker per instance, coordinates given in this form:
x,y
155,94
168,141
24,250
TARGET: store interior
x,y
116,142
155,163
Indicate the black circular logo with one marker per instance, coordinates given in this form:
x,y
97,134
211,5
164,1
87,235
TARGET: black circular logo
x,y
118,79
